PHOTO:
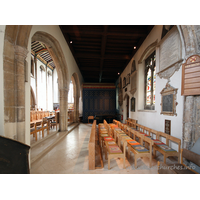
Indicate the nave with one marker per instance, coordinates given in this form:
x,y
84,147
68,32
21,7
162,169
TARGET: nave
x,y
70,156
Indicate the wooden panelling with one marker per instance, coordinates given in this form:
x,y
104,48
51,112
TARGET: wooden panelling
x,y
191,76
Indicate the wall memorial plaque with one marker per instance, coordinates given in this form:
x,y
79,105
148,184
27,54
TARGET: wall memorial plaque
x,y
170,54
168,100
168,127
191,76
167,105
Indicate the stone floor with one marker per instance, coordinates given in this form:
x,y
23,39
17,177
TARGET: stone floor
x,y
70,156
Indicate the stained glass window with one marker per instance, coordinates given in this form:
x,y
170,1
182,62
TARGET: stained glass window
x,y
150,81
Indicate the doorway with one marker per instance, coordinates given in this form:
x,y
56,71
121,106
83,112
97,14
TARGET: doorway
x,y
127,107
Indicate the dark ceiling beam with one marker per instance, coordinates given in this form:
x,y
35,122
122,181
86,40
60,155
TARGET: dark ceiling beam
x,y
49,61
88,32
66,36
103,49
89,69
97,56
95,69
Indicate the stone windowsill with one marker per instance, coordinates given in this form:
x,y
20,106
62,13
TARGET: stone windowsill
x,y
152,111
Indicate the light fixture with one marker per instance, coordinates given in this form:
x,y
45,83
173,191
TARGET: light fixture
x,y
118,73
70,42
134,47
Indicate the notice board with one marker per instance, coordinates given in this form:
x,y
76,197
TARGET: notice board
x,y
191,76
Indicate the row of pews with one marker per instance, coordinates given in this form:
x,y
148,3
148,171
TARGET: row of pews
x,y
41,121
142,141
117,139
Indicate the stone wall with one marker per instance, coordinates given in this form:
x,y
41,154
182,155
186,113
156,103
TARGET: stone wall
x,y
191,120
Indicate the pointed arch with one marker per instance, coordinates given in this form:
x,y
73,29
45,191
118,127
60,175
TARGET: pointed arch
x,y
57,55
148,51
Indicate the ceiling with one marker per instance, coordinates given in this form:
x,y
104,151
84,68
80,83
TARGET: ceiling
x,y
101,51
39,49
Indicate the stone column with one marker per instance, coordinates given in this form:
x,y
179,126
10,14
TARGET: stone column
x,y
36,80
20,55
63,116
188,122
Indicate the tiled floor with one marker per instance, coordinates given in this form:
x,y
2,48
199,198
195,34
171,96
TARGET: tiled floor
x,y
70,156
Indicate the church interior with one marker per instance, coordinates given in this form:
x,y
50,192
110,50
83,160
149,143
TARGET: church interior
x,y
100,99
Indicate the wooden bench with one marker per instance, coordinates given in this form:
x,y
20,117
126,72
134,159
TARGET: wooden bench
x,y
164,148
138,149
180,168
91,147
113,151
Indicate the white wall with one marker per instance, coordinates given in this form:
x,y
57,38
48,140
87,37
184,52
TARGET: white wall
x,y
42,103
2,32
55,87
153,119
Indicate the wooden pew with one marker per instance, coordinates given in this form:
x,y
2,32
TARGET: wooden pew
x,y
114,151
91,147
164,148
139,150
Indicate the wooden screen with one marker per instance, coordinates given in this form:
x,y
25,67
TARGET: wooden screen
x,y
191,76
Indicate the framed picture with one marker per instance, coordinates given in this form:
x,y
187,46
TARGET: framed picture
x,y
132,104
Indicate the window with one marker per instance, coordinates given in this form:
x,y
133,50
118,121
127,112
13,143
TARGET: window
x,y
32,67
150,81
42,70
70,94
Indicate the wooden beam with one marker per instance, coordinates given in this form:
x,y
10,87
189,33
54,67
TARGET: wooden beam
x,y
140,33
103,48
98,56
41,50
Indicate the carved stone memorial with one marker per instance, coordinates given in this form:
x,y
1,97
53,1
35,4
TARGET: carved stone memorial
x,y
170,51
168,100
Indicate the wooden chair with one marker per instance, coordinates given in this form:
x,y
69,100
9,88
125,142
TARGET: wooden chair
x,y
45,126
33,130
39,127
90,117
54,121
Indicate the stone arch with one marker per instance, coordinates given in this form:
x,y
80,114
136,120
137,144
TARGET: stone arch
x,y
76,84
148,51
15,51
57,55
190,36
